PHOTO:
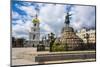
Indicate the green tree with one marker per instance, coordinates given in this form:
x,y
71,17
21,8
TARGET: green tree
x,y
59,47
52,39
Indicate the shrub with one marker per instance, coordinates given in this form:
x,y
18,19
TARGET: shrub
x,y
59,47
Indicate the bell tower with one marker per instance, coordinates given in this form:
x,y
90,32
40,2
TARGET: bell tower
x,y
35,32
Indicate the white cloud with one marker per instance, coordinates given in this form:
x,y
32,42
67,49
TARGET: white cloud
x,y
15,15
50,13
52,19
23,22
21,29
30,10
52,16
46,27
83,16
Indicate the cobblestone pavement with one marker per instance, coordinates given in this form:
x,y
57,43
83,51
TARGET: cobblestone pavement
x,y
22,56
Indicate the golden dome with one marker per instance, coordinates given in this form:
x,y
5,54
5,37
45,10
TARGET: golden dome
x,y
36,20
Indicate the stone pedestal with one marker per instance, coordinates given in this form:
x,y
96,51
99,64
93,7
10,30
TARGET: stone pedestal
x,y
69,37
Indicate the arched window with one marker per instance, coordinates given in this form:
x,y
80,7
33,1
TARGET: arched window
x,y
35,24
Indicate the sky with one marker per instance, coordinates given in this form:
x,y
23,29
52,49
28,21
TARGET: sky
x,y
51,16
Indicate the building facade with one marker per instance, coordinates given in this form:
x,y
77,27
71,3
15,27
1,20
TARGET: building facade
x,y
87,36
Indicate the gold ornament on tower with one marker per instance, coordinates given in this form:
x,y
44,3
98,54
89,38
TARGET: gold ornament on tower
x,y
35,20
